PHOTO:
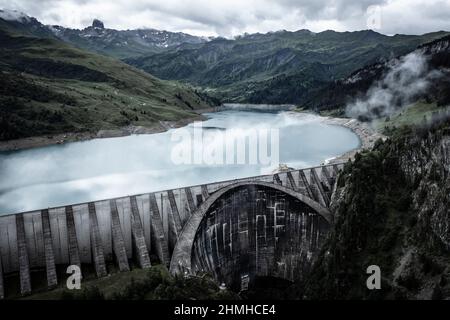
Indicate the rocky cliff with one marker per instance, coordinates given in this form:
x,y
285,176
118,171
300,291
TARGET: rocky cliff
x,y
392,210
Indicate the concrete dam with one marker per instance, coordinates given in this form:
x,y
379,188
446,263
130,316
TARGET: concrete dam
x,y
270,225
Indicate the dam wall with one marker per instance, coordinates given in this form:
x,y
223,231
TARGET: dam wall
x,y
122,229
258,231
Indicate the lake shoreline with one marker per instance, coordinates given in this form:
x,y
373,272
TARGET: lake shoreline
x,y
62,138
365,133
108,168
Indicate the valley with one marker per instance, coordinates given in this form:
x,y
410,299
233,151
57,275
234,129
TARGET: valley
x,y
358,173
68,93
279,67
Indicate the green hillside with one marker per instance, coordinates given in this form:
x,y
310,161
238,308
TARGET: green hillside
x,y
47,86
337,94
278,67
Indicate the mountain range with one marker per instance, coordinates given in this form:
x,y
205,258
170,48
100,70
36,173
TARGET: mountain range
x,y
278,67
337,94
123,43
116,43
64,71
48,86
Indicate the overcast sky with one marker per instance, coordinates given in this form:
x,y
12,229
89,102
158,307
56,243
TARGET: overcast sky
x,y
232,17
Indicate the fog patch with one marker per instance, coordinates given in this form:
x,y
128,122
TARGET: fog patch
x,y
407,79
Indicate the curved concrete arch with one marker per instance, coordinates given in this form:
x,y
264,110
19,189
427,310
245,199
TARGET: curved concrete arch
x,y
181,257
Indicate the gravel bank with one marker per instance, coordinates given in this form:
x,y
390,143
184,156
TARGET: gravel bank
x,y
367,135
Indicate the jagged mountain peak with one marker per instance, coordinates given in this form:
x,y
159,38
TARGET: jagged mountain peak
x,y
97,38
96,23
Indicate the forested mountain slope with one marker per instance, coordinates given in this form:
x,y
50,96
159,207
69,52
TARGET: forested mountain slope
x,y
278,67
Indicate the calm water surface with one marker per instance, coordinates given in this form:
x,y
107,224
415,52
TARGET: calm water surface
x,y
105,168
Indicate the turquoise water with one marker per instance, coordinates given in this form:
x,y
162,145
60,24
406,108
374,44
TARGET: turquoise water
x,y
105,168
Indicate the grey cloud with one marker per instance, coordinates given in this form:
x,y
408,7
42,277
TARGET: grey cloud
x,y
339,9
407,78
231,17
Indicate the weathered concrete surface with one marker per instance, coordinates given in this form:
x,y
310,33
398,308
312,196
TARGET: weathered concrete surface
x,y
175,213
138,236
50,267
305,187
182,255
160,244
97,247
256,230
117,239
291,181
322,197
276,179
190,199
98,232
205,192
74,255
24,264
175,223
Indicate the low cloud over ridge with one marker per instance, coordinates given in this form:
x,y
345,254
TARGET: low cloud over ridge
x,y
407,78
232,17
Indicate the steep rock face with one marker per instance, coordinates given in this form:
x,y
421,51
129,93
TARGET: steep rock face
x,y
428,162
98,24
392,210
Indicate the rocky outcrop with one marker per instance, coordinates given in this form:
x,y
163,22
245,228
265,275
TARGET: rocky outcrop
x,y
427,163
98,24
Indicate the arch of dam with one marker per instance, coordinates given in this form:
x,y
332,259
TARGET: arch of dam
x,y
270,225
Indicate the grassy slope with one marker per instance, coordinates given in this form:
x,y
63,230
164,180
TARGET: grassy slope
x,y
412,115
67,89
